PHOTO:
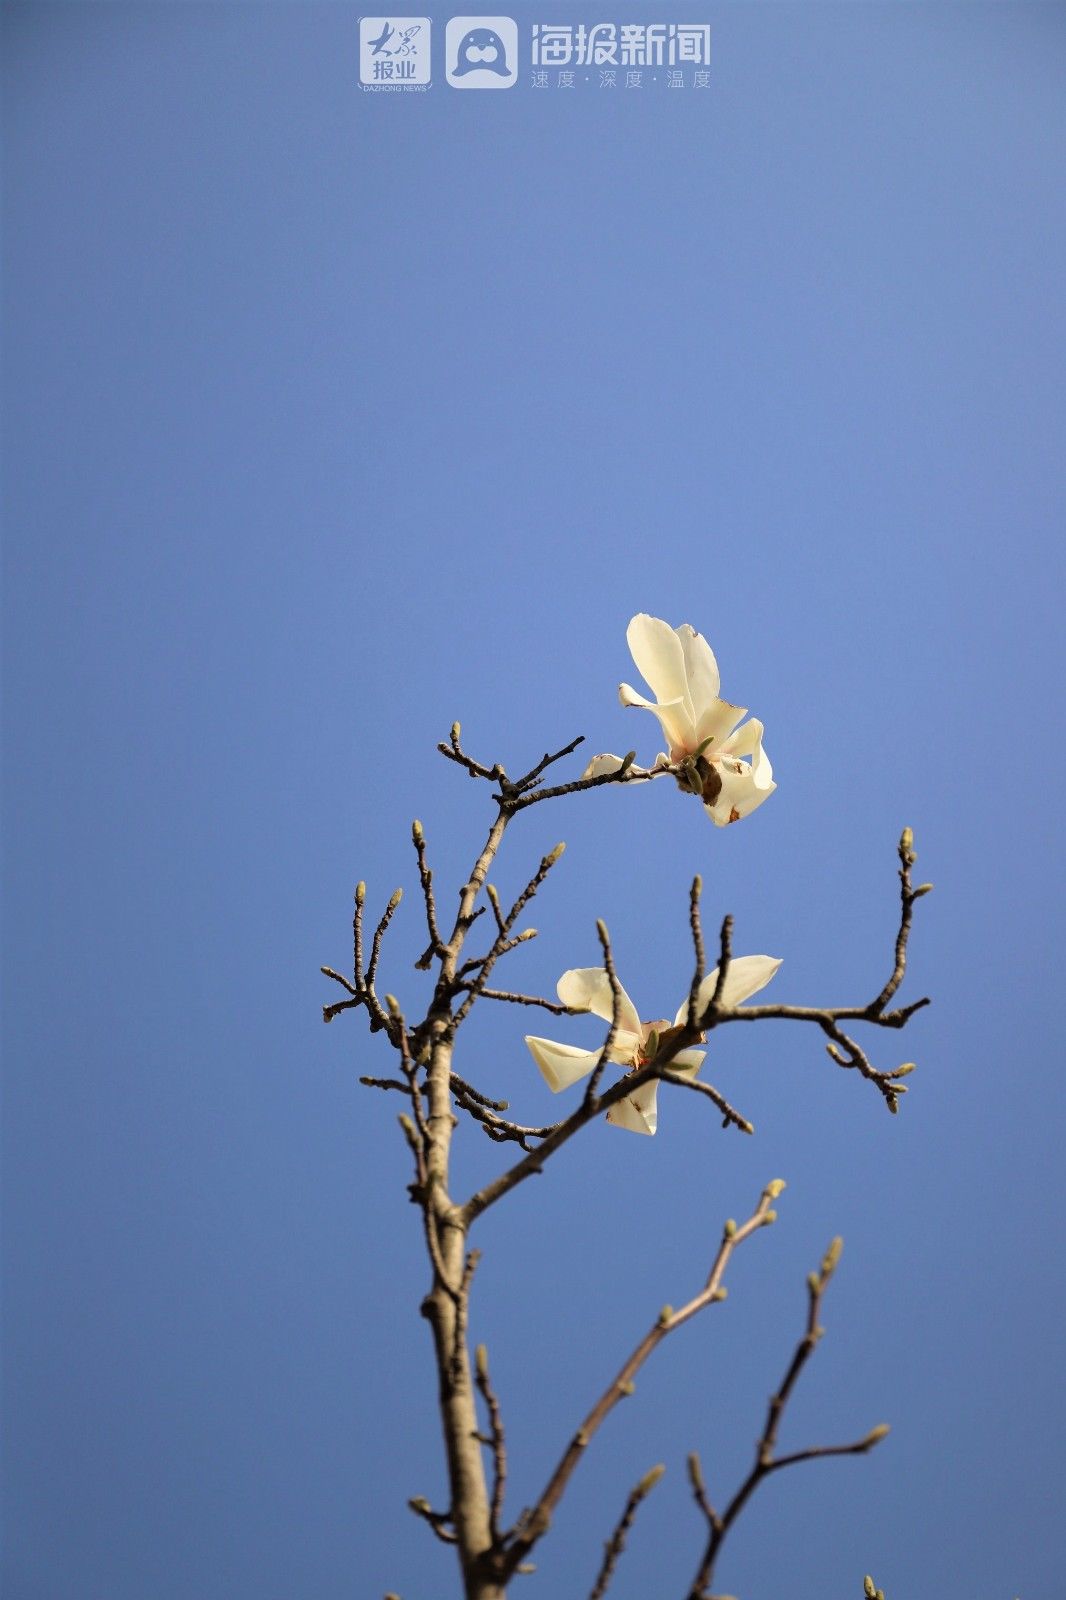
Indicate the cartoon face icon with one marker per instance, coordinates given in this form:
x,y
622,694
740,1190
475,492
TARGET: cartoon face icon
x,y
481,50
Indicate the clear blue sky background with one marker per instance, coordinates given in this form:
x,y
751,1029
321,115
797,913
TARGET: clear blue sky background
x,y
332,417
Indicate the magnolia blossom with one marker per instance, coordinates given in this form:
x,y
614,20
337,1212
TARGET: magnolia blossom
x,y
635,1042
706,745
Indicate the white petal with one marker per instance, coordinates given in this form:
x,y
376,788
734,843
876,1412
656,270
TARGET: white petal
x,y
638,1111
744,786
687,1060
716,723
677,724
660,660
746,976
701,669
561,1064
600,765
589,989
746,741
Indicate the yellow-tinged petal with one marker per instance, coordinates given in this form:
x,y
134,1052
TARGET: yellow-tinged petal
x,y
589,989
638,1112
701,669
746,976
561,1064
674,718
659,657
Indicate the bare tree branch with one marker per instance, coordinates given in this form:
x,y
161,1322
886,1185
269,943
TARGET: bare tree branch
x,y
496,1439
537,1521
766,1461
617,1542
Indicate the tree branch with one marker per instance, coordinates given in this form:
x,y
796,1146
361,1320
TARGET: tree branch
x,y
536,1522
766,1461
617,1542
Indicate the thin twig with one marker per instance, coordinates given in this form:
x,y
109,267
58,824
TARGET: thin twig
x,y
766,1461
537,1521
436,943
617,1542
616,1015
496,1439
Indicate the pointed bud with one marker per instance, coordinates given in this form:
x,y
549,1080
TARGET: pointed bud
x,y
627,761
869,1588
481,1357
551,859
906,839
831,1259
923,888
456,730
601,929
875,1435
649,1480
664,1315
360,892
528,933
393,1005
416,831
730,1228
697,885
776,1187
814,1282
396,898
901,1072
490,890
768,1217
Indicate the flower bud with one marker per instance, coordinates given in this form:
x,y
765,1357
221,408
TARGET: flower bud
x,y
396,898
553,857
360,892
875,1435
775,1187
416,831
649,1480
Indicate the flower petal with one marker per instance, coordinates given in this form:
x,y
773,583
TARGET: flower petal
x,y
677,723
716,723
589,989
659,657
561,1064
688,1061
599,766
746,976
746,741
744,786
701,669
638,1112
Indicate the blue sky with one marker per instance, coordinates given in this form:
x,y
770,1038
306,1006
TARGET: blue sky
x,y
333,417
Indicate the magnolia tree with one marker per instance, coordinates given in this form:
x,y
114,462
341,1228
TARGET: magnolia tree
x,y
716,756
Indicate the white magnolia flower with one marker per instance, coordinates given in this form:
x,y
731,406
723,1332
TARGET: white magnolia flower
x,y
705,742
636,1042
